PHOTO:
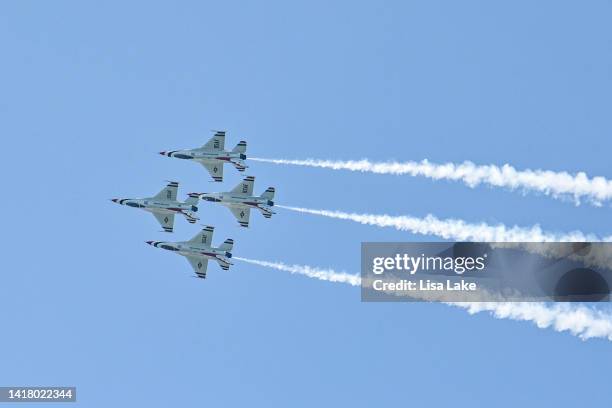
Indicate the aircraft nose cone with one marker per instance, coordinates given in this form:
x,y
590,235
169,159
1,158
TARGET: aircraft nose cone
x,y
114,200
163,153
150,242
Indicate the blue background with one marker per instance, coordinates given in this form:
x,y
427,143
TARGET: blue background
x,y
91,91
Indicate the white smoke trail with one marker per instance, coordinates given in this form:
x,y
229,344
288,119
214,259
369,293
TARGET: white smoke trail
x,y
579,320
317,273
555,184
454,229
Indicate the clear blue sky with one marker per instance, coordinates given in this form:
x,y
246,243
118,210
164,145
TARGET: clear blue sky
x,y
91,91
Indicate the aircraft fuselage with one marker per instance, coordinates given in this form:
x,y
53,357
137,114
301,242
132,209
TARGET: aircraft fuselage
x,y
238,200
190,250
157,206
205,156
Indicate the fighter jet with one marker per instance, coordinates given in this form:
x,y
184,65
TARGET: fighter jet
x,y
240,200
164,206
212,155
198,251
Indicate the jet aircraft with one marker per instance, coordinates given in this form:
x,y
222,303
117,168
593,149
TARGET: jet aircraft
x,y
164,206
199,250
213,155
241,199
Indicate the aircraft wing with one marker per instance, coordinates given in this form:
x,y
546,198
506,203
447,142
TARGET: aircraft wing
x,y
199,265
245,186
242,215
168,192
215,169
215,143
203,237
166,221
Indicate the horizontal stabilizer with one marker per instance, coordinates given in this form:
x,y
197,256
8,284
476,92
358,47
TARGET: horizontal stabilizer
x,y
240,147
192,199
227,245
223,264
269,193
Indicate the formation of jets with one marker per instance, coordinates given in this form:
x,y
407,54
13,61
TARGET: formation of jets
x,y
164,205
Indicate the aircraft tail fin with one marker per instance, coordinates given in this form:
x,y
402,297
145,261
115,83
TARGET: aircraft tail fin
x,y
240,147
227,245
268,194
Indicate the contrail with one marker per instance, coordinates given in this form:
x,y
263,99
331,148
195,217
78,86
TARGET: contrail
x,y
454,229
596,190
580,320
